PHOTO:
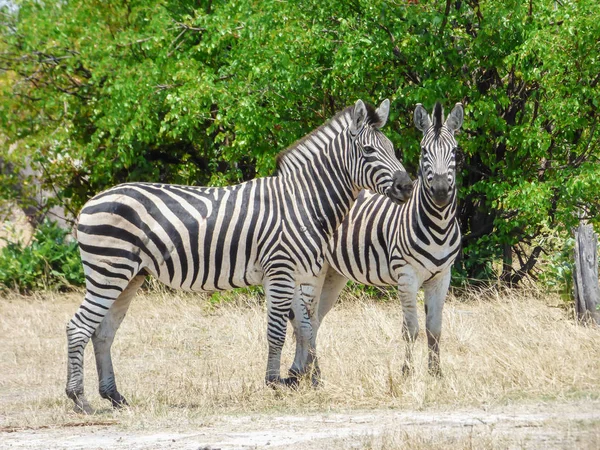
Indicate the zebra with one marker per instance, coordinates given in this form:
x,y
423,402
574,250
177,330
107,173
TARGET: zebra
x,y
381,243
270,231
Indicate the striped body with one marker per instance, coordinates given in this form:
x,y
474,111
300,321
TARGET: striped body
x,y
380,243
270,231
200,239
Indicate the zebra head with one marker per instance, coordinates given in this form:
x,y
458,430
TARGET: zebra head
x,y
438,151
375,164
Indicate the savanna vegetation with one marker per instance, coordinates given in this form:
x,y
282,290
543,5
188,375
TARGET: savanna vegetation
x,y
207,92
189,365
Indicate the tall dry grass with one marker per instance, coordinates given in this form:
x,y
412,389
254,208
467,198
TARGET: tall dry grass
x,y
180,359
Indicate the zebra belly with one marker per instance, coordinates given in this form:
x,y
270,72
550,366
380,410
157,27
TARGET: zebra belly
x,y
423,269
210,281
373,272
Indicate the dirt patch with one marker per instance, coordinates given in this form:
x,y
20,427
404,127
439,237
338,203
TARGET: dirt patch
x,y
543,425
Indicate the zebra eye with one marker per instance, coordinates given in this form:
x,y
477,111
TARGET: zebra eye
x,y
368,149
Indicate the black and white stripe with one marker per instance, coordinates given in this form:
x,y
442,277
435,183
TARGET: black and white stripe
x,y
270,230
412,245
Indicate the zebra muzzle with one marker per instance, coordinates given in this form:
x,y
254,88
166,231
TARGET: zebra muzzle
x,y
441,191
401,188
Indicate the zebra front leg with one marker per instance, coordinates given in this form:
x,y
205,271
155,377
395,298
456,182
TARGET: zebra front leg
x,y
435,295
103,339
330,288
279,290
410,325
328,285
301,317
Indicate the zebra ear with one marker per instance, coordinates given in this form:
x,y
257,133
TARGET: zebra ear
x,y
359,116
382,113
455,119
421,118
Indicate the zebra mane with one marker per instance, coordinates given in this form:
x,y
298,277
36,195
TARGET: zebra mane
x,y
342,117
438,117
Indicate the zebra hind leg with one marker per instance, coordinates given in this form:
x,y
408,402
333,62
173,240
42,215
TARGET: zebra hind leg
x,y
96,304
329,288
78,335
103,338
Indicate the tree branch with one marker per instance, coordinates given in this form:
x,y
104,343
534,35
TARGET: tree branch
x,y
512,279
445,20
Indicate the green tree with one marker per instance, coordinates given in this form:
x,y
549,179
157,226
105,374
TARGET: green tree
x,y
96,93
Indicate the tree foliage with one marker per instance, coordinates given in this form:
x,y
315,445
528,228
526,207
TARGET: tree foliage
x,y
207,92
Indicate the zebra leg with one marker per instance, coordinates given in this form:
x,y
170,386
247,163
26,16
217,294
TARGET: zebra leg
x,y
301,318
279,289
103,287
99,297
435,294
331,287
328,286
78,335
410,327
103,338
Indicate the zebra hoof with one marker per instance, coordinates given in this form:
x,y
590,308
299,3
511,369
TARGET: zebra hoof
x,y
316,381
275,382
291,382
116,399
83,407
118,402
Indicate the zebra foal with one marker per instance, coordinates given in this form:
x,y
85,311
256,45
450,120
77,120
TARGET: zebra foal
x,y
381,243
270,231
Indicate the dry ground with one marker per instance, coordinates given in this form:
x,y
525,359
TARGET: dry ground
x,y
518,372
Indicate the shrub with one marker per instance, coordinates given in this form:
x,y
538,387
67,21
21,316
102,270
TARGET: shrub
x,y
50,261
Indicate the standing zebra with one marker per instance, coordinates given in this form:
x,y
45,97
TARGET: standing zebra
x,y
381,243
269,230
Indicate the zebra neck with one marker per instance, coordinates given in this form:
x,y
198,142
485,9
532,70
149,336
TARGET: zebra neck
x,y
316,171
431,215
324,188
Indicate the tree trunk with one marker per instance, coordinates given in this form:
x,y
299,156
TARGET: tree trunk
x,y
585,275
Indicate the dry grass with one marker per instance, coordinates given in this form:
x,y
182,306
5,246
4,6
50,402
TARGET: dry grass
x,y
180,360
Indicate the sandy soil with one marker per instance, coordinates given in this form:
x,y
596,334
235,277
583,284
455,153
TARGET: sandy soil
x,y
542,425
